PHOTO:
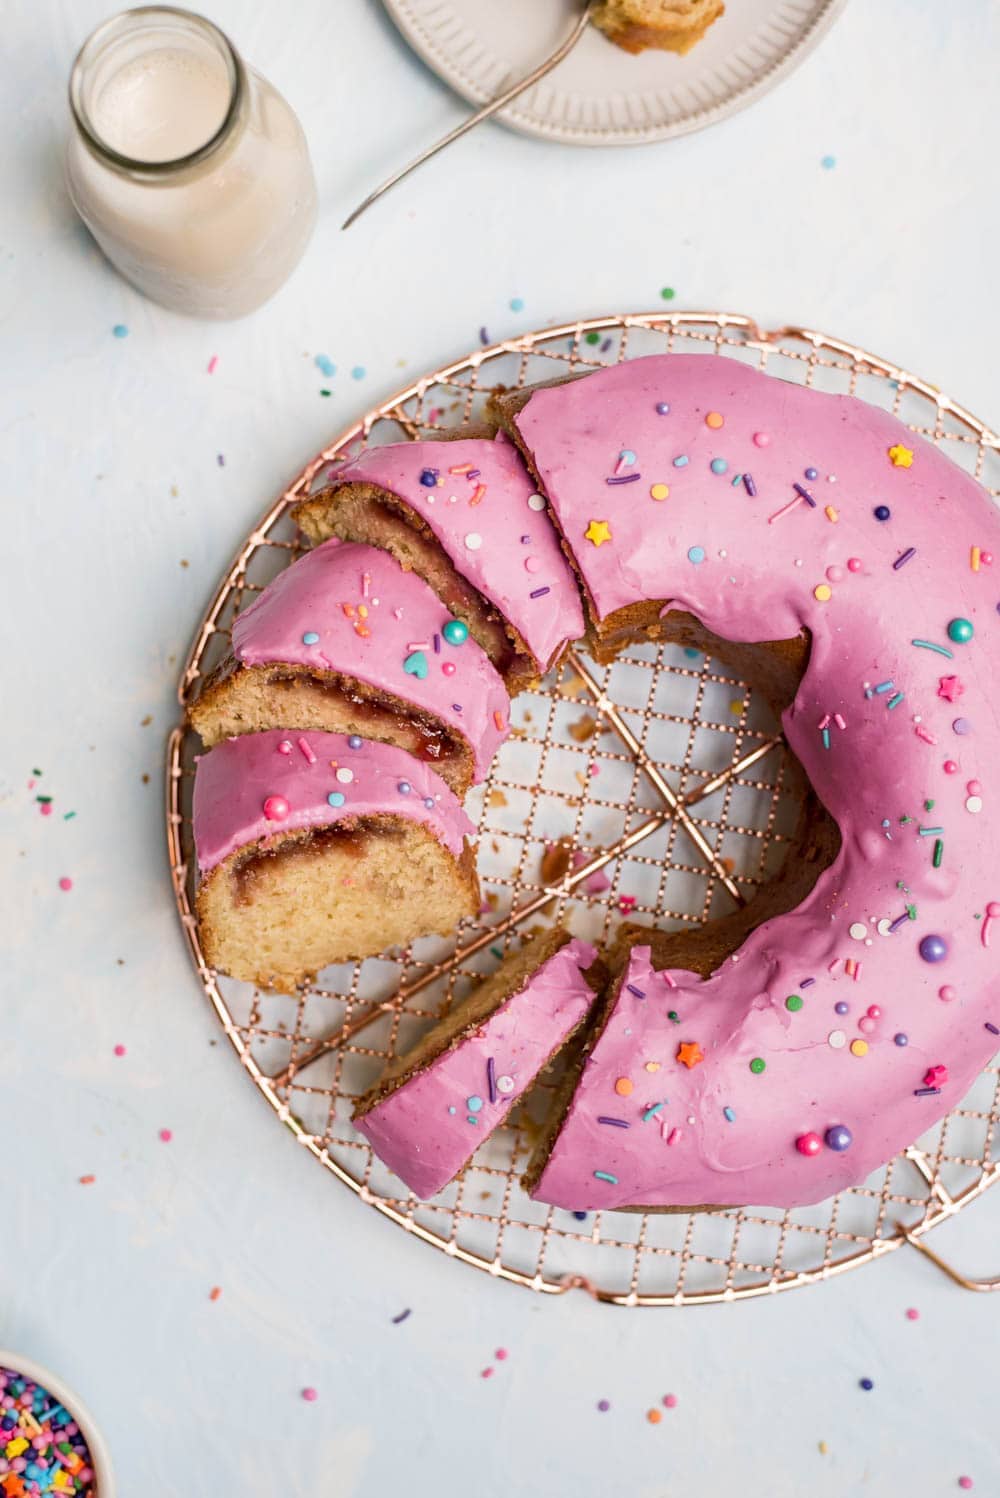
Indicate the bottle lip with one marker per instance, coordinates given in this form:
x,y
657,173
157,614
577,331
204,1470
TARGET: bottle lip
x,y
90,51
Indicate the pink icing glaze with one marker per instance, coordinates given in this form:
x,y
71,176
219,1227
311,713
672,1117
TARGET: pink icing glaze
x,y
497,520
234,780
892,749
425,1131
323,593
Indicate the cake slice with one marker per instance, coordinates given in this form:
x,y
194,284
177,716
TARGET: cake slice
x,y
671,25
465,516
347,642
434,1106
317,848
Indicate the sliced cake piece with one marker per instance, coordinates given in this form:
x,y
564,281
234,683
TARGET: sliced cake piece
x,y
434,1106
465,515
345,641
671,25
316,848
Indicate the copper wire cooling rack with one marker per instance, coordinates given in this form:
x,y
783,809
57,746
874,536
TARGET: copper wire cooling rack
x,y
658,787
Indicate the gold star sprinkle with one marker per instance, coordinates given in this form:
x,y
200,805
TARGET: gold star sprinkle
x,y
900,456
598,531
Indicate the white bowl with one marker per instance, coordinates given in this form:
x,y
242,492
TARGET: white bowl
x,y
100,1461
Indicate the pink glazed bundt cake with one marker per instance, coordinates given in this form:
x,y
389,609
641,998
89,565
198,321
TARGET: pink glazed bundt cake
x,y
783,1053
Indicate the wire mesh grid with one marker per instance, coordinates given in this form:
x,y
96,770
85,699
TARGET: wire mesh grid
x,y
658,787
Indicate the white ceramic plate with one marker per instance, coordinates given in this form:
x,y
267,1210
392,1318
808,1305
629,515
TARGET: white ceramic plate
x,y
600,95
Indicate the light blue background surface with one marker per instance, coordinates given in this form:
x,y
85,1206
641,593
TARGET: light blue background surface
x,y
108,464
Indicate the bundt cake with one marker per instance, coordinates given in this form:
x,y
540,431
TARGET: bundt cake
x,y
670,25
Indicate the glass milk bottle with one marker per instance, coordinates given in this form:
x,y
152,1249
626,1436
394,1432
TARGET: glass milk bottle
x,y
189,169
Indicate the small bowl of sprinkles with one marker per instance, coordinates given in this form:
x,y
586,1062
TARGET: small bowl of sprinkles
x,y
49,1443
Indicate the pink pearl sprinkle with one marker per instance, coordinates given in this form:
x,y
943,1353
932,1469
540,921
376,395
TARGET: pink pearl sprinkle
x,y
993,909
912,1314
974,788
854,564
986,557
866,1025
950,767
670,1400
65,883
310,1396
835,574
874,1011
46,808
500,1354
532,564
166,1135
285,747
119,1050
947,993
965,1483
448,668
761,439
276,808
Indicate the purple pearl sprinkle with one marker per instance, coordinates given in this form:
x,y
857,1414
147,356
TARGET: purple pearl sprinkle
x,y
602,1404
663,409
901,1039
933,948
812,473
962,726
841,1008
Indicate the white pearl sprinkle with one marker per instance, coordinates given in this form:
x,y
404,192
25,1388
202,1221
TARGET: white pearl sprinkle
x,y
345,776
536,502
473,540
836,1039
505,1084
974,804
883,926
857,931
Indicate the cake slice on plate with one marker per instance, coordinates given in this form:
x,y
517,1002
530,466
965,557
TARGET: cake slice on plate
x,y
315,848
435,1105
465,516
671,25
344,640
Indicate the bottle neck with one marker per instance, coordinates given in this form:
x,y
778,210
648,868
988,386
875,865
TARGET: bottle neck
x,y
157,92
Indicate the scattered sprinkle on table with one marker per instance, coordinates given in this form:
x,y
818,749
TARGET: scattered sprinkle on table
x,y
87,1180
866,1384
166,1135
325,365
912,1314
517,304
215,1292
42,1449
120,330
397,1320
358,372
654,1417
119,1050
213,364
65,883
965,1483
604,1405
667,293
828,163
309,1395
670,1400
